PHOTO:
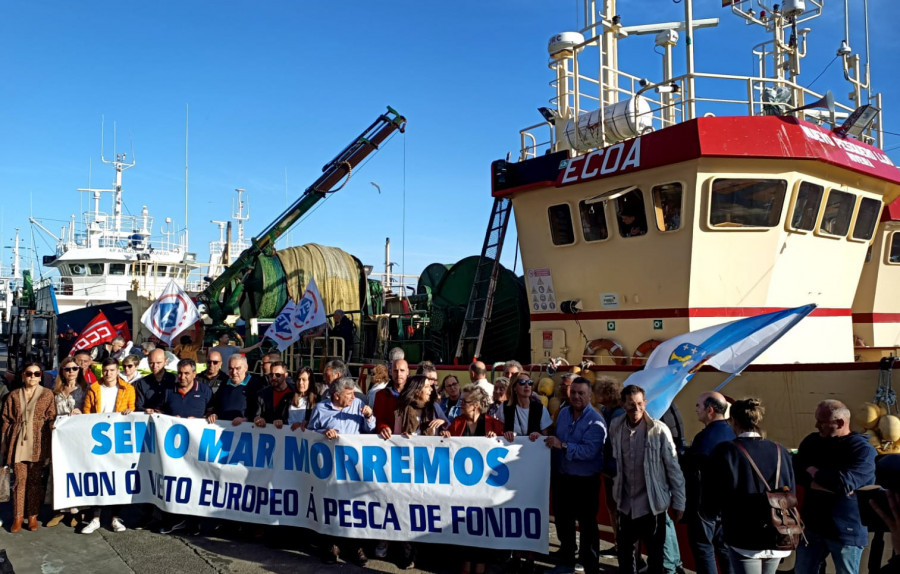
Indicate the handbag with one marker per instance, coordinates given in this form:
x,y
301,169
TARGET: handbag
x,y
5,475
785,523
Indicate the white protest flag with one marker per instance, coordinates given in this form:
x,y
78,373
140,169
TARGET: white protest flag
x,y
310,311
171,314
282,330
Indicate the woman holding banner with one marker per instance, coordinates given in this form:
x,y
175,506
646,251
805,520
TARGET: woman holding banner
x,y
28,414
416,413
69,392
473,422
304,401
111,395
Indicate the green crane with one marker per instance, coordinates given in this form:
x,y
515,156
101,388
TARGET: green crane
x,y
223,294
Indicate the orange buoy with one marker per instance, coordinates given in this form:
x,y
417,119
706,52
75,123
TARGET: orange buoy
x,y
643,351
614,349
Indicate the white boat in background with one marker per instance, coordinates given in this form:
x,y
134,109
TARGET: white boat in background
x,y
108,254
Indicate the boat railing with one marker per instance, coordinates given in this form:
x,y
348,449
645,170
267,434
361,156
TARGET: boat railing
x,y
735,96
123,233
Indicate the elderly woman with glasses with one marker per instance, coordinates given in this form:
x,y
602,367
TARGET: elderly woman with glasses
x,y
130,373
472,422
27,417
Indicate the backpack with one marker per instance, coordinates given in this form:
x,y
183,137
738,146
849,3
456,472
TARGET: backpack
x,y
786,526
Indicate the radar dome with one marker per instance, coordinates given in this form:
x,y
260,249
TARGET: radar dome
x,y
562,45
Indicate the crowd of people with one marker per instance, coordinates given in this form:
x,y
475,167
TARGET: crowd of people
x,y
603,443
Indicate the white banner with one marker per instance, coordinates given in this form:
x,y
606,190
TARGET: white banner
x,y
465,491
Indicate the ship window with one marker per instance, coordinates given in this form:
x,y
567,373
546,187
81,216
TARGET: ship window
x,y
161,270
747,202
869,210
561,230
895,248
117,269
631,215
78,269
95,269
809,198
667,206
838,211
593,221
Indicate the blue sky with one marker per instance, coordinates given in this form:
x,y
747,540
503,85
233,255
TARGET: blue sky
x,y
277,88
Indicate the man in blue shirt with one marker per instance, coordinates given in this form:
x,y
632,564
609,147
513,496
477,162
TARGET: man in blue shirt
x,y
577,459
342,413
189,398
705,535
832,464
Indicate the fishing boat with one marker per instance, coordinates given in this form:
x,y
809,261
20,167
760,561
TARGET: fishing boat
x,y
109,253
647,208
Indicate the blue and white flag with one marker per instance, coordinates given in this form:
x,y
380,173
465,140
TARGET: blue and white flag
x,y
296,318
310,311
728,347
282,330
171,314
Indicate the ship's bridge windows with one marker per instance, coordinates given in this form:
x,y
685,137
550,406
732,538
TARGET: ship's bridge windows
x,y
838,212
866,218
161,270
746,202
630,214
95,268
806,208
561,230
894,256
593,220
78,269
667,206
117,269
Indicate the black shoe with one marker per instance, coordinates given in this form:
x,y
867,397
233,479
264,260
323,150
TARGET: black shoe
x,y
680,570
563,557
611,552
331,554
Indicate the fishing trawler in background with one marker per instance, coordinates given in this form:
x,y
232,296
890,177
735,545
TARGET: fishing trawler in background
x,y
649,208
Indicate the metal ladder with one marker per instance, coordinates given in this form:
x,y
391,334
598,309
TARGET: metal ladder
x,y
481,298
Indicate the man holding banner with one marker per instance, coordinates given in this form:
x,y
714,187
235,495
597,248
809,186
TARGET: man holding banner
x,y
340,414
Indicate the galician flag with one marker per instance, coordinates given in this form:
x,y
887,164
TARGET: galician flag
x,y
728,347
171,314
294,319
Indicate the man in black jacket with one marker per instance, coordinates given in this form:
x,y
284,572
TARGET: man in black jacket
x,y
832,464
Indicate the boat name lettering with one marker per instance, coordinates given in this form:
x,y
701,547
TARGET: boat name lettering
x,y
604,161
855,152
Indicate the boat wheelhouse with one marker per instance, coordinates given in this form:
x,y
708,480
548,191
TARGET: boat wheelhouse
x,y
646,209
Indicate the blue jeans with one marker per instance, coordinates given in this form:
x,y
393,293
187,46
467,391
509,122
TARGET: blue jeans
x,y
809,558
671,554
705,537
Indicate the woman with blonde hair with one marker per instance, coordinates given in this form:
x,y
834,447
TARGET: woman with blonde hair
x,y
69,392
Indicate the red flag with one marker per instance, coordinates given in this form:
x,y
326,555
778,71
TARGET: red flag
x,y
123,330
99,330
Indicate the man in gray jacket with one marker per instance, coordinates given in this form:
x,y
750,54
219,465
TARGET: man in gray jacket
x,y
648,483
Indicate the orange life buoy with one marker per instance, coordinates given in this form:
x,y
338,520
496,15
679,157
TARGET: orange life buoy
x,y
614,349
643,351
